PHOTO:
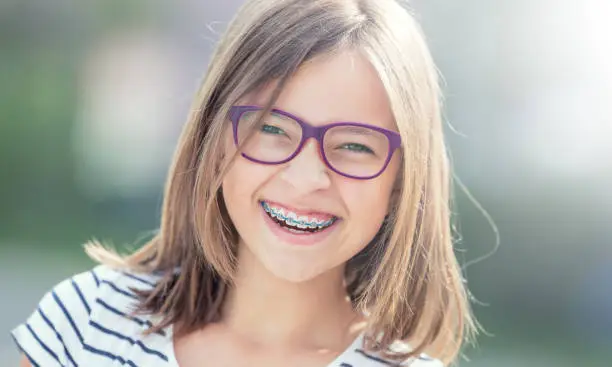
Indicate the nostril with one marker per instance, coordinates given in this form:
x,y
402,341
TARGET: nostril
x,y
307,172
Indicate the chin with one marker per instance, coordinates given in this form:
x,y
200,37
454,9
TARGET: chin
x,y
294,273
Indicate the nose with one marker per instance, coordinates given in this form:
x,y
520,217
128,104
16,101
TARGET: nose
x,y
307,172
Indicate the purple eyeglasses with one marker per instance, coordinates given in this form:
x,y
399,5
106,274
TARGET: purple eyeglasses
x,y
351,149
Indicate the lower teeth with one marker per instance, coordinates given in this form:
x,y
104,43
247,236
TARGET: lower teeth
x,y
299,230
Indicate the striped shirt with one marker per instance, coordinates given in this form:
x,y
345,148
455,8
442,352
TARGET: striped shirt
x,y
86,321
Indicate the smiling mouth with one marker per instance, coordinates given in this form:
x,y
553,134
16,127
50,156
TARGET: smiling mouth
x,y
295,223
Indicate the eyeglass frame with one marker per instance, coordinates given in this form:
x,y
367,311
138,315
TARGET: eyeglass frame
x,y
316,132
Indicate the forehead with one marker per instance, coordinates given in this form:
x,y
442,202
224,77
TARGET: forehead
x,y
340,87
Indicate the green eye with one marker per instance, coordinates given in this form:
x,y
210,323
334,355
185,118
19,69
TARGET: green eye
x,y
359,148
269,129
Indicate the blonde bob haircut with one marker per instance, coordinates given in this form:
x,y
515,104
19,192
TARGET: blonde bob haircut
x,y
407,279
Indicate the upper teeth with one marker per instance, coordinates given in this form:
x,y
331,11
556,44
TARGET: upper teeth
x,y
293,219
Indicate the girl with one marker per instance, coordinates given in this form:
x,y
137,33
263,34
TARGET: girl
x,y
306,217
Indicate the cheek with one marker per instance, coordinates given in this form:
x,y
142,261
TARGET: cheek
x,y
234,186
373,196
368,203
236,189
236,194
241,187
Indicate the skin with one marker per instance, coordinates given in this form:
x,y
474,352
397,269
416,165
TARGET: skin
x,y
344,87
289,302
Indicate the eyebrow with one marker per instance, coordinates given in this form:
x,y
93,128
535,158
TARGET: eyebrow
x,y
278,114
278,111
359,130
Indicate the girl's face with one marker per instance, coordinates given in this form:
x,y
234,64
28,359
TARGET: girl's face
x,y
343,214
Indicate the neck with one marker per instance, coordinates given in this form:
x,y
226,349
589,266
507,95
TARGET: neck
x,y
267,310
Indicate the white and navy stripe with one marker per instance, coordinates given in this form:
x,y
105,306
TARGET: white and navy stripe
x,y
87,321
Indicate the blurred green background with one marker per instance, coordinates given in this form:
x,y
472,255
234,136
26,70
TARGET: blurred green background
x,y
93,96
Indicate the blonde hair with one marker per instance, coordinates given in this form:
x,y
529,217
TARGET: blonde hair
x,y
407,279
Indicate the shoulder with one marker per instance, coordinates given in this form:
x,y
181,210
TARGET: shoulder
x,y
422,360
357,356
89,315
361,358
